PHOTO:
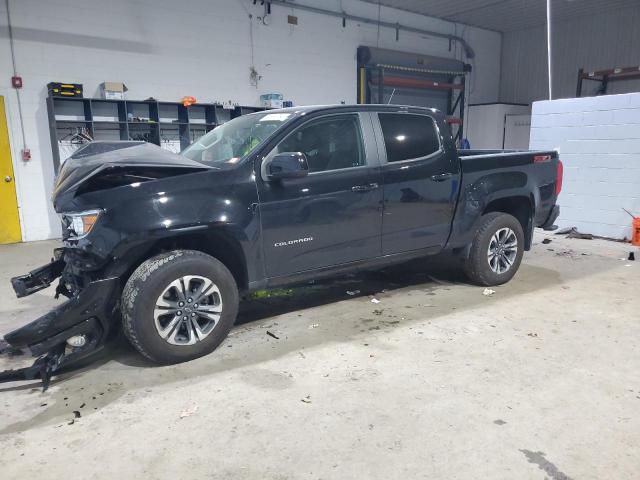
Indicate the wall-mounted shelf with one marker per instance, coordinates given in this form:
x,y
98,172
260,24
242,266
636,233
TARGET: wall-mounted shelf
x,y
170,125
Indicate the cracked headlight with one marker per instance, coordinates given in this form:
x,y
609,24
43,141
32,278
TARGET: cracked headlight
x,y
79,224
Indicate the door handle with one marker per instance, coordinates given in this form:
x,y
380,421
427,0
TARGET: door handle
x,y
8,179
364,188
441,177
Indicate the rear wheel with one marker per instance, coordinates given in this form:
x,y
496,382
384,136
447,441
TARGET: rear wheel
x,y
496,251
178,306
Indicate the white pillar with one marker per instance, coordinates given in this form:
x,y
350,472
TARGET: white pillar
x,y
549,46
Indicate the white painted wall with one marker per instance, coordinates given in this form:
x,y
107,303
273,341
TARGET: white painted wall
x,y
517,129
485,123
599,143
595,42
168,49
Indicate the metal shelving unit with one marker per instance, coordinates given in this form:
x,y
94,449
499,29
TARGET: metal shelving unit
x,y
170,125
605,76
379,83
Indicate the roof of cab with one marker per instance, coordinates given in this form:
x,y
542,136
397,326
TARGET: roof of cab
x,y
305,109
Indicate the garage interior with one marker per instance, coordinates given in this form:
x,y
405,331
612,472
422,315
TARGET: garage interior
x,y
409,371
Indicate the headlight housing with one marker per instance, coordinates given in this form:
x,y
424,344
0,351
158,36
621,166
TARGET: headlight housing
x,y
78,225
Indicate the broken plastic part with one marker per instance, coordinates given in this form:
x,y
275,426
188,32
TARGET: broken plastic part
x,y
37,279
67,333
43,368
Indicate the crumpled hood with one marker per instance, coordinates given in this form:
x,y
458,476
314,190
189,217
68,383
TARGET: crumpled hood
x,y
130,161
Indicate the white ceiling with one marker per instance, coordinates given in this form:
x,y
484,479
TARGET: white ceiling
x,y
505,15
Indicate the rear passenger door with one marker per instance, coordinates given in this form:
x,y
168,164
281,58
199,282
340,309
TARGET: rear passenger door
x,y
333,215
420,182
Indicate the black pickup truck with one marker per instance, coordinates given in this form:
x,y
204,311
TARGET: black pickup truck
x,y
166,245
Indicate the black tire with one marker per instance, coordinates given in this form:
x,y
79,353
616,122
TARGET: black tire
x,y
148,282
476,266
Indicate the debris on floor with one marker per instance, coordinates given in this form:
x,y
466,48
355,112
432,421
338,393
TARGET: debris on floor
x,y
531,334
632,256
488,291
572,232
314,325
272,335
276,292
306,399
571,254
546,241
351,293
375,300
187,412
580,235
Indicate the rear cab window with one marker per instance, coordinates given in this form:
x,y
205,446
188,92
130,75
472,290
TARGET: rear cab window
x,y
409,136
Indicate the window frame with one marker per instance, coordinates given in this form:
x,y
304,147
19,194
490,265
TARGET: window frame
x,y
363,143
383,150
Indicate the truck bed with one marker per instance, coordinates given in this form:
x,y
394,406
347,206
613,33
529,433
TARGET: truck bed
x,y
476,152
476,160
527,177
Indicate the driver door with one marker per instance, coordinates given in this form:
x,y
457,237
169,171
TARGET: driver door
x,y
333,215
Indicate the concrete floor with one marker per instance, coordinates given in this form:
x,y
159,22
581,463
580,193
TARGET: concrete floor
x,y
539,380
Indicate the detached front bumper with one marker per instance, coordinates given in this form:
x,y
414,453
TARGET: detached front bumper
x,y
86,316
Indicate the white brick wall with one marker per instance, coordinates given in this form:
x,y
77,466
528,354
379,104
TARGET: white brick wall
x,y
168,49
599,143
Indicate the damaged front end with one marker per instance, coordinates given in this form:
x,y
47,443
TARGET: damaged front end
x,y
110,211
69,332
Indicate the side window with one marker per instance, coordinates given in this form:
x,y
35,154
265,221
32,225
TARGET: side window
x,y
408,136
329,143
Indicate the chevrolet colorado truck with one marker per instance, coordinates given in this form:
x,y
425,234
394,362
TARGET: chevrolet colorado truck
x,y
164,245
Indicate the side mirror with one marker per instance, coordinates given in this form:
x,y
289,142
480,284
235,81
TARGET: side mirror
x,y
287,165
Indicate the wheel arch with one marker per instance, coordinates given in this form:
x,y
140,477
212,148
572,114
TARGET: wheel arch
x,y
519,206
219,244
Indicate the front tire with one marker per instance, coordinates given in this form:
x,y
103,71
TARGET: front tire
x,y
178,306
496,250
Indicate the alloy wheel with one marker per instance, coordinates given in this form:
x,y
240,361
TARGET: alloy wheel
x,y
503,249
187,310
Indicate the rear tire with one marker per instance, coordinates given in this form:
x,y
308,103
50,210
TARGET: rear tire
x,y
496,250
160,314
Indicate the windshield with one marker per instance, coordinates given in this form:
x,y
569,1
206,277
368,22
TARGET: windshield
x,y
227,144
